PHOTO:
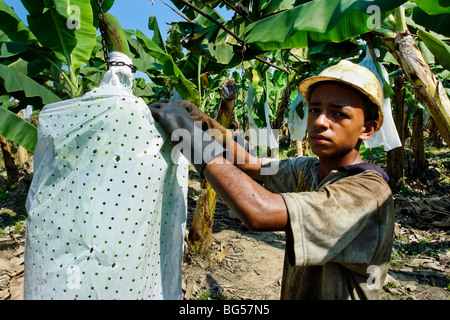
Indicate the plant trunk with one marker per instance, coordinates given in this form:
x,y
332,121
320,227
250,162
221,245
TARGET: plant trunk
x,y
396,157
434,135
200,234
418,144
427,87
22,153
284,103
12,170
227,102
299,148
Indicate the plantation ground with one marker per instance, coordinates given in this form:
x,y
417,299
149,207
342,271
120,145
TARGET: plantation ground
x,y
242,264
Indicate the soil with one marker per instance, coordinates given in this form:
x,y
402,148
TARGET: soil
x,y
246,265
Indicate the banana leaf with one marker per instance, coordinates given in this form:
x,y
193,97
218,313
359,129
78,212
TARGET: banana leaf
x,y
107,4
11,49
439,23
157,38
316,22
434,7
207,39
17,129
438,48
12,26
66,27
24,88
186,88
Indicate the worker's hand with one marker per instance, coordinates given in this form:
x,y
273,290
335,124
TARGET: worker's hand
x,y
218,132
171,116
199,116
195,144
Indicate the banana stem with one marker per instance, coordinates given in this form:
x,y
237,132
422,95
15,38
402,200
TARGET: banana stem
x,y
199,77
400,19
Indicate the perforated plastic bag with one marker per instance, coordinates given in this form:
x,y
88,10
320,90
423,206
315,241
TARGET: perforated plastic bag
x,y
387,135
107,204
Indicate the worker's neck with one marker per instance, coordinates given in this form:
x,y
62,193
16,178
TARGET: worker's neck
x,y
328,164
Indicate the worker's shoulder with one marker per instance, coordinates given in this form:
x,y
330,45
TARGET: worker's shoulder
x,y
304,162
293,165
368,168
367,179
295,160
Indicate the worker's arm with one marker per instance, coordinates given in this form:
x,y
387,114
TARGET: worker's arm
x,y
258,208
249,164
237,154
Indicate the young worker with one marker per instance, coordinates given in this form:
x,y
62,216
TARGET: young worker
x,y
336,210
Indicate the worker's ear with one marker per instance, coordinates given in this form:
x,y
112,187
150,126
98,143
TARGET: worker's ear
x,y
369,129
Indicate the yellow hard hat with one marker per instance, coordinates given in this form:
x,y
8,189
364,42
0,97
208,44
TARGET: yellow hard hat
x,y
354,75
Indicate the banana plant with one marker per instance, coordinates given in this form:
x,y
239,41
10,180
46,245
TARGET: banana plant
x,y
58,56
260,27
289,36
428,86
41,63
172,70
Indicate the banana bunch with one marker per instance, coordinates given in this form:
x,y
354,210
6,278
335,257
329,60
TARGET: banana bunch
x,y
115,36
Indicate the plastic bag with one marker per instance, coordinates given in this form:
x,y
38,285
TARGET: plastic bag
x,y
108,201
263,137
387,135
296,124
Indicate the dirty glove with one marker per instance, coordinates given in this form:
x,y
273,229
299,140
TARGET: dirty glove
x,y
195,144
221,134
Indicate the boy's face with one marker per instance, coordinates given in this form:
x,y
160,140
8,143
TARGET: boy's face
x,y
336,121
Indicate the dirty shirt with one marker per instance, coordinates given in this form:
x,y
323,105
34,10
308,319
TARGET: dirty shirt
x,y
341,230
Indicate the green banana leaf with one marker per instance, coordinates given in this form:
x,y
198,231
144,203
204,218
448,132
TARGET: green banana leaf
x,y
17,129
438,48
22,87
12,26
434,7
274,6
11,49
439,23
186,88
209,40
32,68
157,38
316,22
66,27
25,57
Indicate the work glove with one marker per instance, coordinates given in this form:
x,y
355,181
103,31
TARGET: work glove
x,y
221,134
199,116
195,144
218,132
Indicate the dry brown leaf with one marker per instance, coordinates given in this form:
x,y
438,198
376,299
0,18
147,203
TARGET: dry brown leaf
x,y
16,288
443,223
8,266
221,255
